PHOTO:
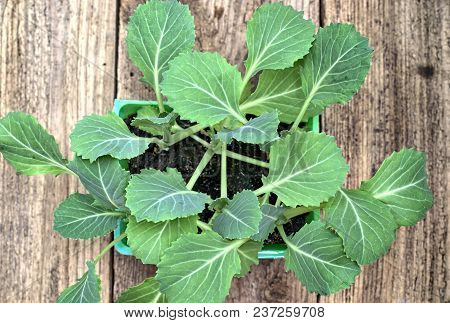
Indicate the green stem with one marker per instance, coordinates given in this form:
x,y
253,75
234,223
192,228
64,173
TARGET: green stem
x,y
265,198
282,233
291,213
223,172
109,246
232,154
182,134
159,98
200,167
301,113
204,226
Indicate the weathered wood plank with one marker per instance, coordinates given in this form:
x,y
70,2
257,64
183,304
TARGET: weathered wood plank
x,y
220,26
402,103
56,62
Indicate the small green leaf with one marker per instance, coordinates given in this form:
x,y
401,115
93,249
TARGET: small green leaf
x,y
277,90
240,218
148,240
248,254
257,131
158,196
79,217
277,36
104,179
157,32
401,183
85,290
28,147
365,224
199,268
335,68
306,169
146,292
96,136
270,216
203,87
148,120
317,258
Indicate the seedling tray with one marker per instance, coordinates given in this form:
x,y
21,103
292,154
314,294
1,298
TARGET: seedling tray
x,y
125,108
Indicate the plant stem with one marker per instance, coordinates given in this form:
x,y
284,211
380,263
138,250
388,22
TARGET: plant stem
x,y
200,167
232,154
109,246
223,172
265,198
204,226
291,213
302,112
182,134
282,233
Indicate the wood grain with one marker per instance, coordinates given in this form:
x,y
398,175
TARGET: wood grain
x,y
402,103
56,62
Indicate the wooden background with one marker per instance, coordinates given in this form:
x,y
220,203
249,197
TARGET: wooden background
x,y
61,60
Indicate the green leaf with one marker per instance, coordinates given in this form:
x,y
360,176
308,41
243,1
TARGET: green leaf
x,y
248,254
148,120
145,292
305,168
277,36
365,224
28,147
257,131
240,218
277,90
157,196
157,32
317,258
203,87
96,136
104,179
270,216
148,240
401,183
199,268
335,68
85,290
80,217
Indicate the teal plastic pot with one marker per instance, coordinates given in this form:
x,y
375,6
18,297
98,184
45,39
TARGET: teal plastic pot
x,y
125,108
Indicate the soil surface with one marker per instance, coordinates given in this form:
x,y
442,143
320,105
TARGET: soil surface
x,y
185,156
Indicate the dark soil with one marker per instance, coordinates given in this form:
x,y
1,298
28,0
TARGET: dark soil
x,y
185,156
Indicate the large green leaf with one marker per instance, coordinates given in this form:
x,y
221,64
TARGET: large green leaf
x,y
401,183
85,290
305,168
257,131
146,292
104,179
277,36
203,87
80,217
365,224
277,90
270,216
158,196
317,258
148,240
240,218
248,254
198,268
157,32
97,135
335,68
28,147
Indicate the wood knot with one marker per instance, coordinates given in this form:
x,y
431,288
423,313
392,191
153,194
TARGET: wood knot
x,y
426,71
